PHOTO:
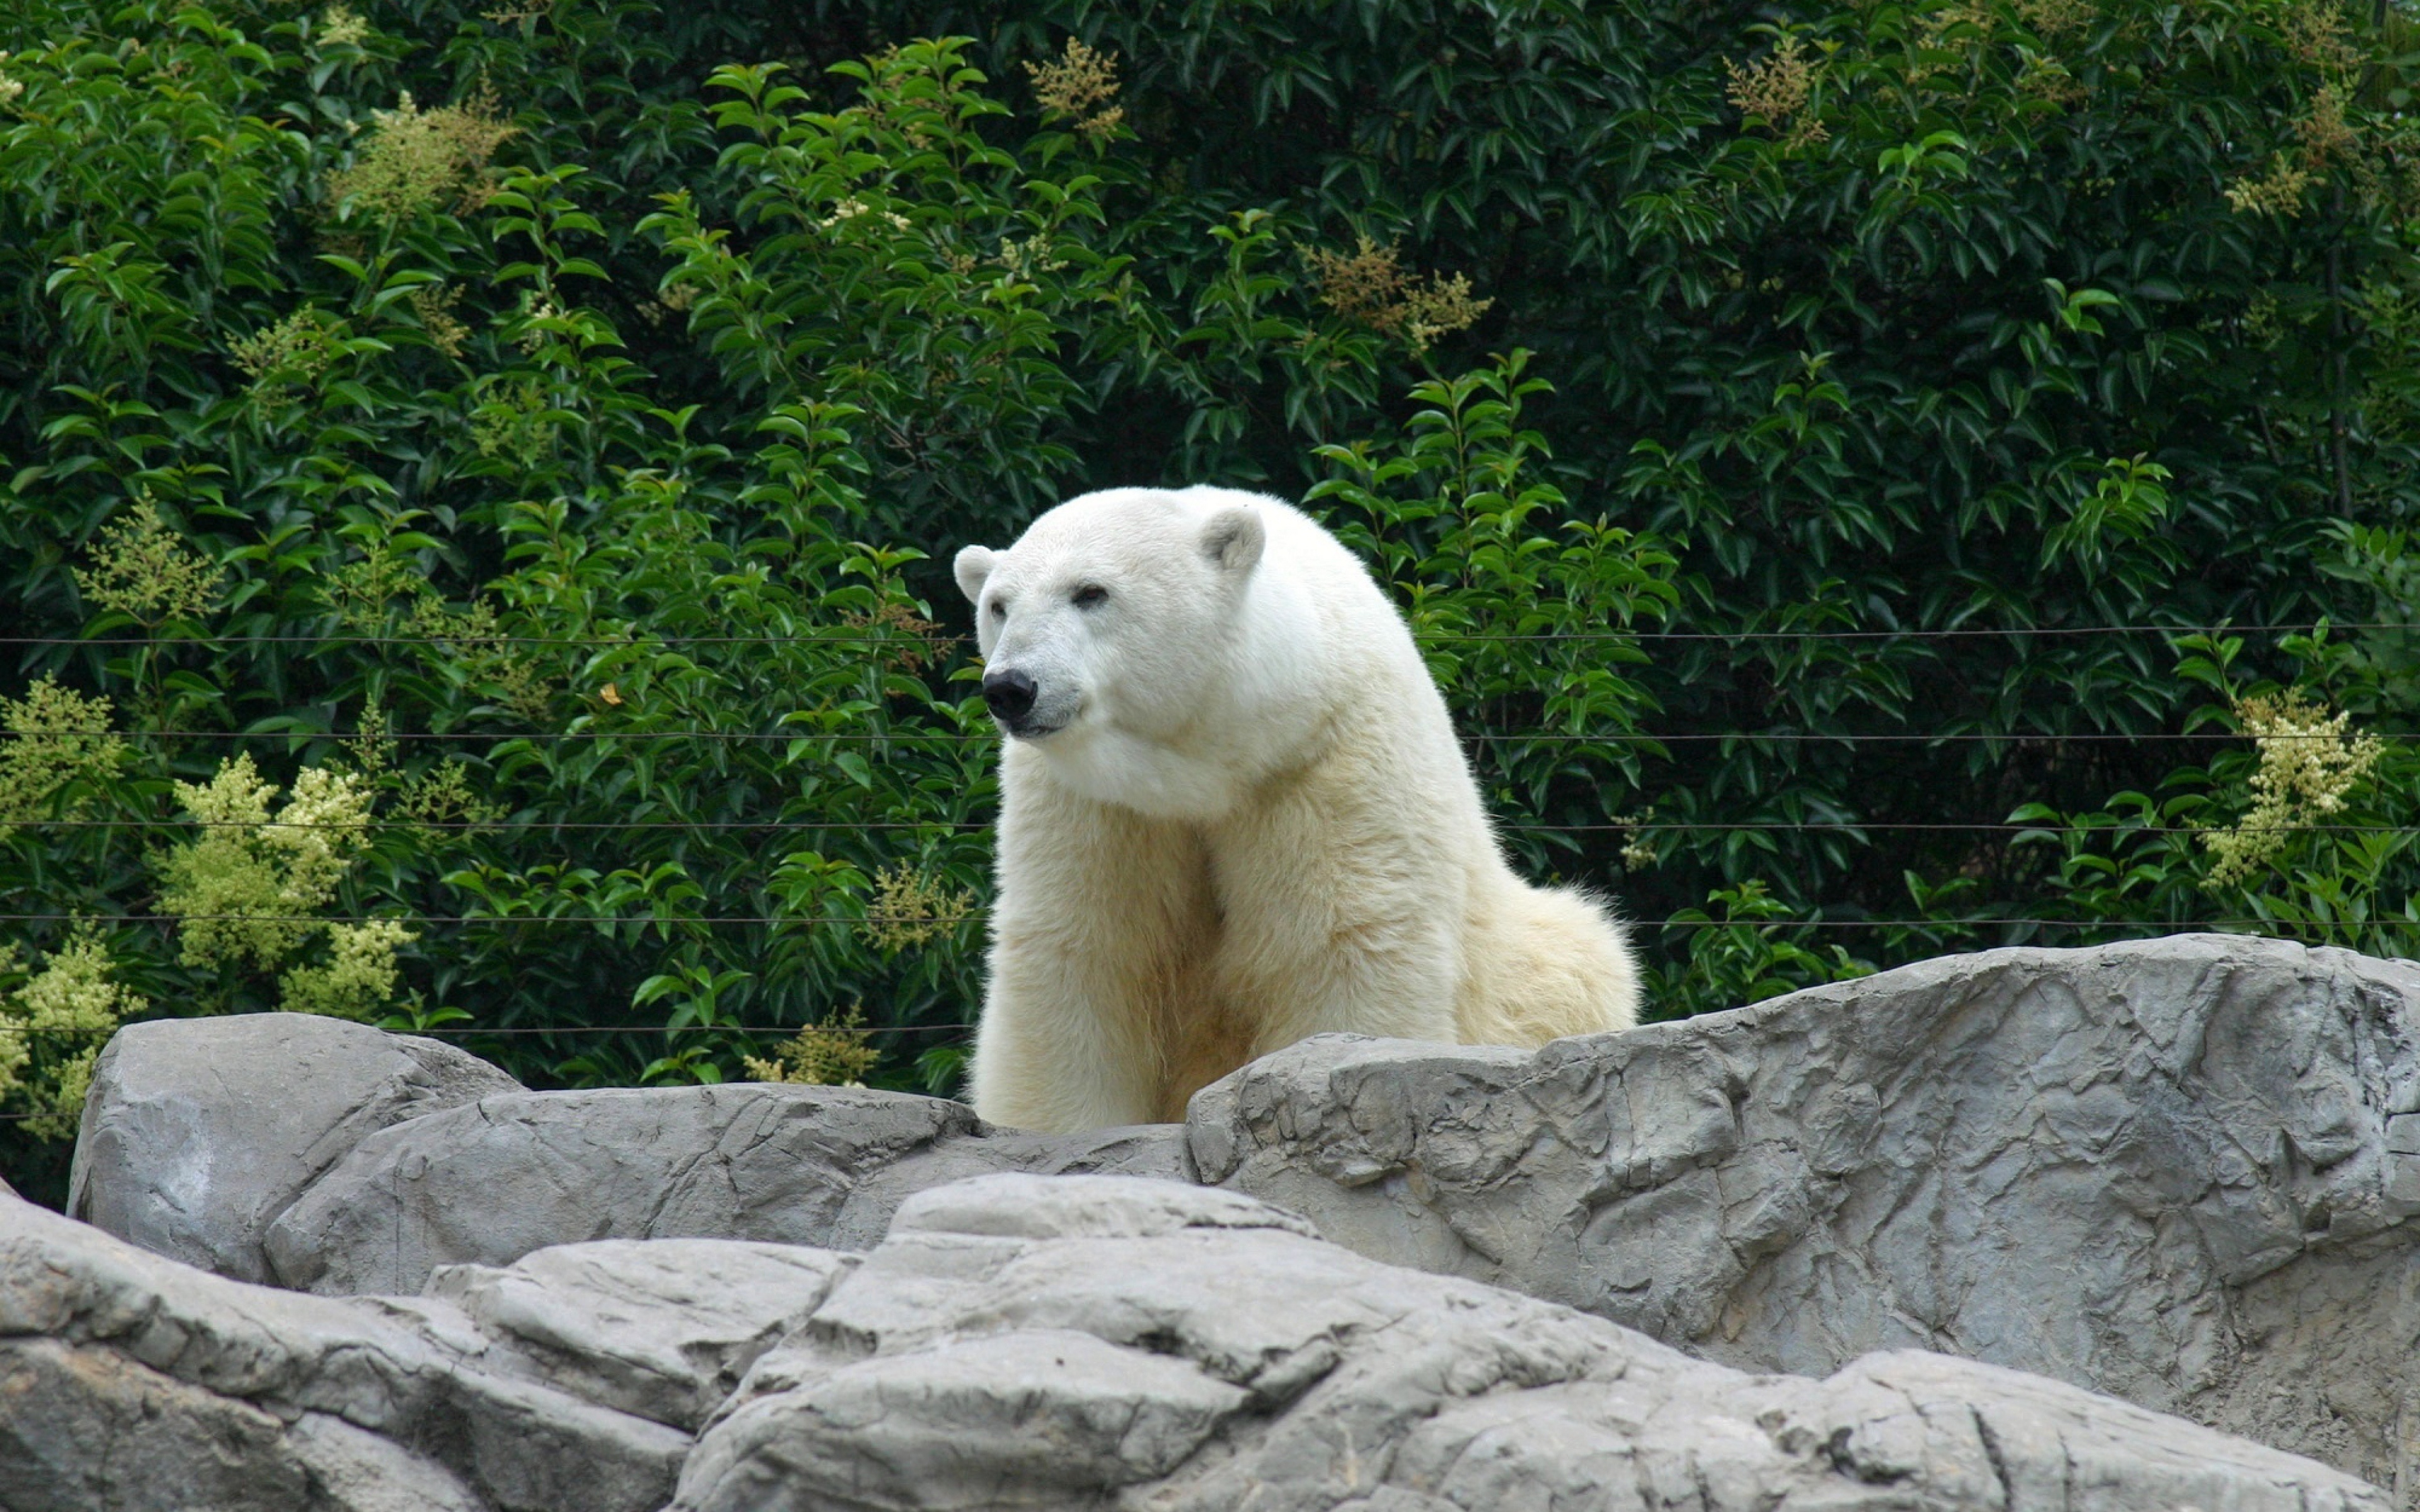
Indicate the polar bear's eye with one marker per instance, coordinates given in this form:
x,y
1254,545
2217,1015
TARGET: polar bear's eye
x,y
1089,594
999,610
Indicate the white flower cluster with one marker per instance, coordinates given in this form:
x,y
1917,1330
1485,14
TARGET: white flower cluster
x,y
851,207
361,975
342,26
248,887
2309,759
322,828
69,1008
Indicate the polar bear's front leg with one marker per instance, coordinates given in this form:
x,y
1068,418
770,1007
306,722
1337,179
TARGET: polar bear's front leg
x,y
1047,1059
1097,931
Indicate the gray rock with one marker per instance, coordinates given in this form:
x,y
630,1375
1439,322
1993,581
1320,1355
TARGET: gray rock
x,y
2182,1172
489,1182
197,1133
1017,1341
86,1429
129,1380
1024,1342
662,1328
1065,1209
359,1470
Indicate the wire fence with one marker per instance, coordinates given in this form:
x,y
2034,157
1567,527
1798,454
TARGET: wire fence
x,y
450,1032
516,1031
1683,920
914,738
540,827
908,739
906,636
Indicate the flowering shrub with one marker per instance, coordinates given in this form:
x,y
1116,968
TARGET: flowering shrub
x,y
477,491
53,1024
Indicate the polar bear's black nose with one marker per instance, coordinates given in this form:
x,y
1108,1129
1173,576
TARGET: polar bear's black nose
x,y
1009,694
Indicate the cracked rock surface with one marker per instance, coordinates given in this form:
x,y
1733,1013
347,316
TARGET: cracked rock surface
x,y
658,1328
490,1181
1015,1341
1020,1341
128,1381
2182,1172
197,1133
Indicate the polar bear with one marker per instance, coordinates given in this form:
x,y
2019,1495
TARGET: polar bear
x,y
1232,814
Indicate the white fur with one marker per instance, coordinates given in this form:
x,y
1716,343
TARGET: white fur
x,y
1239,817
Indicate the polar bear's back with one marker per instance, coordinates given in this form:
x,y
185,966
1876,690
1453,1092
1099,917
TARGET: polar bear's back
x,y
1364,648
1538,962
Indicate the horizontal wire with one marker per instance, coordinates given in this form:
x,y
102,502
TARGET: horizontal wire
x,y
904,739
448,1031
518,826
1685,826
609,922
904,638
948,737
1674,921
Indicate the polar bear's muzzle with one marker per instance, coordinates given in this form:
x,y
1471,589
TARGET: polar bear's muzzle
x,y
1016,700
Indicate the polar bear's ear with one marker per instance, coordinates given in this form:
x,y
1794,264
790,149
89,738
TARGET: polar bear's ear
x,y
973,568
1234,538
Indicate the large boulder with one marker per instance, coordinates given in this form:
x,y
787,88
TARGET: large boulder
x,y
197,1133
488,1183
1024,1342
1015,1341
2182,1172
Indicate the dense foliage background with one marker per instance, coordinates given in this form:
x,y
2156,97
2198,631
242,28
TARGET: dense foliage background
x,y
1874,478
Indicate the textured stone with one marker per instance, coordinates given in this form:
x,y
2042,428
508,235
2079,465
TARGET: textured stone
x,y
128,1381
359,1470
197,1133
661,1328
82,1429
1020,1341
2182,1172
489,1182
1017,1341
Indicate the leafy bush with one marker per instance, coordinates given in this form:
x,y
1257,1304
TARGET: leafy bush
x,y
471,482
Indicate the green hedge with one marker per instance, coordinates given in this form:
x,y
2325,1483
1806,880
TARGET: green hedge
x,y
472,484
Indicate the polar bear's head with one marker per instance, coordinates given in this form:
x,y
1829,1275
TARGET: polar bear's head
x,y
1111,612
